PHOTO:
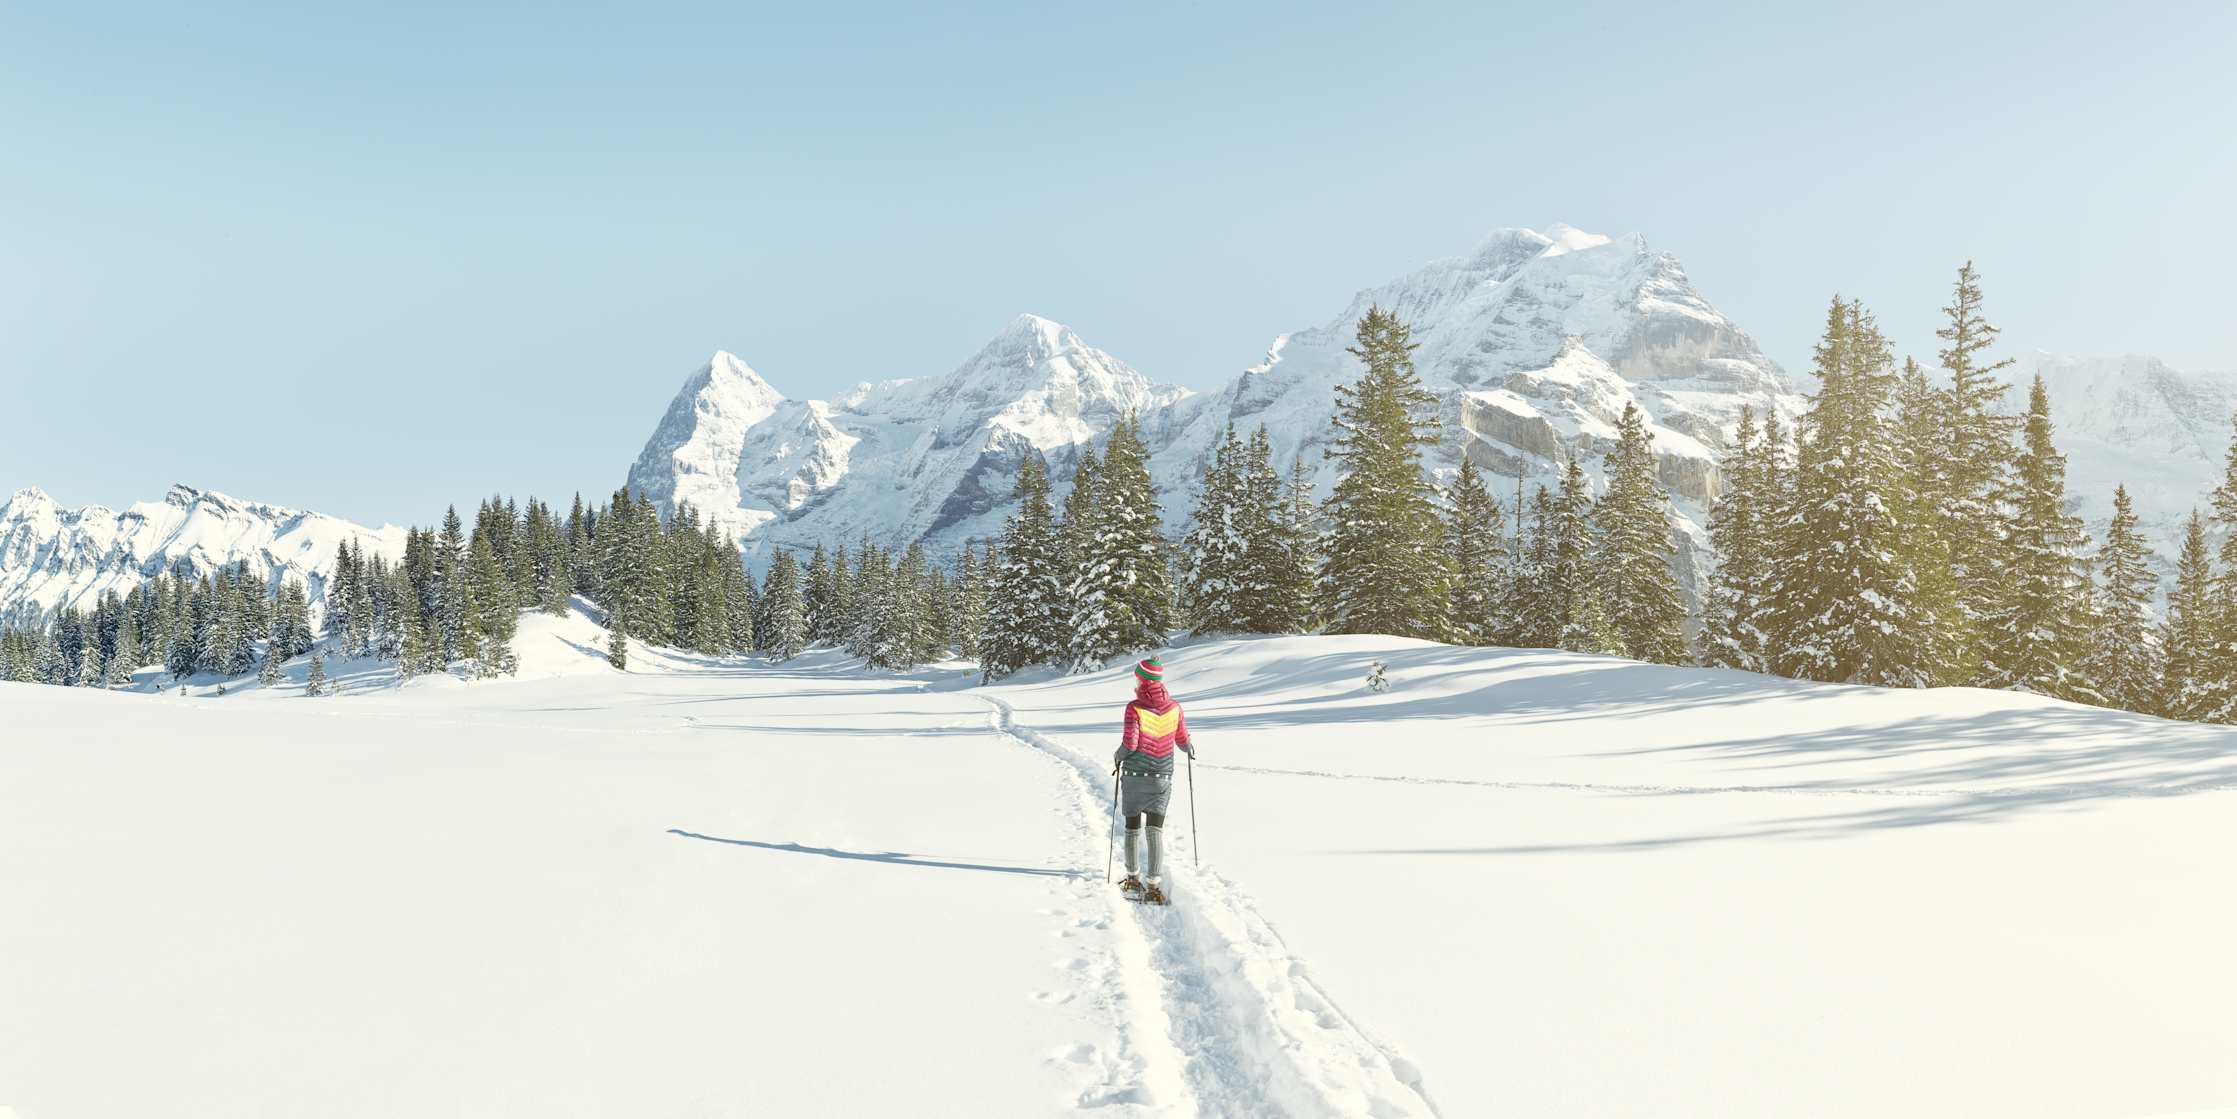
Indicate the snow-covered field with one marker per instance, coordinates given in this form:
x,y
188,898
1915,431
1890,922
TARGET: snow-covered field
x,y
1518,883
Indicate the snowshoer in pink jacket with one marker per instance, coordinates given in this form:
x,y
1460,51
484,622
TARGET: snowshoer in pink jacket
x,y
1152,729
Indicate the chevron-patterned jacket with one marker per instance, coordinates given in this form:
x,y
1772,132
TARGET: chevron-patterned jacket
x,y
1154,726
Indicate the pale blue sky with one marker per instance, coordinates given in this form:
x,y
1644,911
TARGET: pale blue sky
x,y
375,259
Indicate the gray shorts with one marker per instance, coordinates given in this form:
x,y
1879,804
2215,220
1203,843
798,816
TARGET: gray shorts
x,y
1144,792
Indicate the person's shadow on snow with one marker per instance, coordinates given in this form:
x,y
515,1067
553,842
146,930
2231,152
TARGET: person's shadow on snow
x,y
895,858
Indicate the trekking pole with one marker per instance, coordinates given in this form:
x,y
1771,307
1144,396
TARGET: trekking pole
x,y
1110,857
1195,842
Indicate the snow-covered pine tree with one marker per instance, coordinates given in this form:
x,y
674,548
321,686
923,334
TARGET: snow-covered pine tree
x,y
1214,555
555,569
1845,597
124,659
967,603
1472,544
269,675
1570,580
909,636
1977,455
341,590
1025,584
1385,569
838,618
1939,637
2123,662
785,630
2220,671
91,670
1738,533
617,641
1538,609
1121,597
871,607
815,592
745,612
492,615
711,618
47,663
450,581
1631,551
2033,635
2188,690
314,684
1293,568
291,620
1076,533
1266,542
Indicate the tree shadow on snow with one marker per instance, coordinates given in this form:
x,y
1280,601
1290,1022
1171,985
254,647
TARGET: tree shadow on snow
x,y
894,858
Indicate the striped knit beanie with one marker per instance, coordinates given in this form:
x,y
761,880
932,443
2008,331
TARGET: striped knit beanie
x,y
1150,671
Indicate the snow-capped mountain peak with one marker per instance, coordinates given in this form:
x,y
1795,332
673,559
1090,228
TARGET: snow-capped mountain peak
x,y
52,557
1536,340
900,459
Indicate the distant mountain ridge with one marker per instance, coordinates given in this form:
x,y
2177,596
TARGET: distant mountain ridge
x,y
2130,419
53,557
1534,342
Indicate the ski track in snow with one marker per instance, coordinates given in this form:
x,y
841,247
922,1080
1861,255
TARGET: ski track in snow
x,y
1218,1017
2051,791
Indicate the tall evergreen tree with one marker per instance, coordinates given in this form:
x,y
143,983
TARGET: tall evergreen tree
x,y
1215,554
1120,594
785,634
1473,546
492,615
1385,569
450,583
2221,672
2123,662
1846,597
2189,690
1540,607
1940,637
1740,524
1631,551
1570,579
1024,622
2034,631
1975,459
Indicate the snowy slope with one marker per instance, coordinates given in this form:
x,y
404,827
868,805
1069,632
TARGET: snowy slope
x,y
2131,420
52,557
932,458
1535,342
1520,882
1573,885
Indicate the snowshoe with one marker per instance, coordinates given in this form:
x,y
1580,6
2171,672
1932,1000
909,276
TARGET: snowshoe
x,y
1154,894
1131,887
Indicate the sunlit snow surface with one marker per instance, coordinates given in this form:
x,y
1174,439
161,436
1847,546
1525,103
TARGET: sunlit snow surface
x,y
1519,882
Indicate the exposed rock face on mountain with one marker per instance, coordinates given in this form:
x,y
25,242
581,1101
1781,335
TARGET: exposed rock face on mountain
x,y
52,557
1534,343
2131,420
932,459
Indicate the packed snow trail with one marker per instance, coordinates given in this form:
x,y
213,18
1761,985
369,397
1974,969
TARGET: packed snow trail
x,y
1257,1036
